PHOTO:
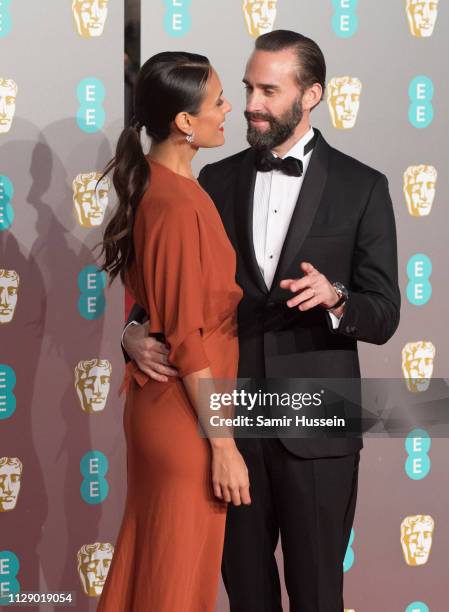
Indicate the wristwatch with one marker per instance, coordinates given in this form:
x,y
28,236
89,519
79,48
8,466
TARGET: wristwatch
x,y
342,293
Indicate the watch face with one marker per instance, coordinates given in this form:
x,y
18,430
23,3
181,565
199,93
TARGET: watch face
x,y
340,289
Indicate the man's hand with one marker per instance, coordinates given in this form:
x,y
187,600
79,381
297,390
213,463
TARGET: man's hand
x,y
313,289
149,354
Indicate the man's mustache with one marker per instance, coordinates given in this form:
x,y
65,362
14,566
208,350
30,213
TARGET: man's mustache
x,y
259,116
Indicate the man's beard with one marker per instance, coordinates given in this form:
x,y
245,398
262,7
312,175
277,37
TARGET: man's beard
x,y
280,130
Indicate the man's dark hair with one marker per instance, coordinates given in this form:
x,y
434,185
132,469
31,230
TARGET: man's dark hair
x,y
311,62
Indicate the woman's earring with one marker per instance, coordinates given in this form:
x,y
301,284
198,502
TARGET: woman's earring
x,y
190,137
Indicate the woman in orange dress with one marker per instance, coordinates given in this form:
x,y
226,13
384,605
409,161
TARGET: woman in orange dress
x,y
167,242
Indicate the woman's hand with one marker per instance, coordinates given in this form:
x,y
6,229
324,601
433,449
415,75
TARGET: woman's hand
x,y
230,478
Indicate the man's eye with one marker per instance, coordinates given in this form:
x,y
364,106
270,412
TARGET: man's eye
x,y
220,102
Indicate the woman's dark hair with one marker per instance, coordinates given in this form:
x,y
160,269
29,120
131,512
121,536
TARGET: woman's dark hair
x,y
311,62
167,84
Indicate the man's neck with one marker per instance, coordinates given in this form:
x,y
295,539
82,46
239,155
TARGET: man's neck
x,y
302,128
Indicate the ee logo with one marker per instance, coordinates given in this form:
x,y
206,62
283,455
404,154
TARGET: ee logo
x,y
90,116
344,20
5,18
94,488
349,559
417,445
177,19
6,195
9,568
7,397
91,283
419,270
420,110
417,606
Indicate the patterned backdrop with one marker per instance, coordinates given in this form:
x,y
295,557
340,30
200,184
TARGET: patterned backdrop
x,y
62,455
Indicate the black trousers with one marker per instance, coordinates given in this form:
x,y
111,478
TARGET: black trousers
x,y
310,503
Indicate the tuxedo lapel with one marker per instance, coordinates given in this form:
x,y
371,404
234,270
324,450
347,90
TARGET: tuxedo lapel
x,y
244,203
305,210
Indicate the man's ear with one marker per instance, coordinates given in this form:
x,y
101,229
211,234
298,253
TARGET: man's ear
x,y
312,96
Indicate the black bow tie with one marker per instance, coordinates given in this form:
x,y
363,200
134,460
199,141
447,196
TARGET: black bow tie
x,y
266,161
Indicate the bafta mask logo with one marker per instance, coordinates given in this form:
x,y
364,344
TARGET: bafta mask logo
x,y
8,95
90,17
93,566
90,201
422,16
419,189
417,365
9,287
343,99
259,16
10,477
92,382
416,538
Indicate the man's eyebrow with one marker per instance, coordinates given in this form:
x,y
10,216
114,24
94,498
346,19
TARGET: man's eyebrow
x,y
220,94
262,85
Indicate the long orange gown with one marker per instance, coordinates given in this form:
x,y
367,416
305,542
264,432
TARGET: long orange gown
x,y
168,552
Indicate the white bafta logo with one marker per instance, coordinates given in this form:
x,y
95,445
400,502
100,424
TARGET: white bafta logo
x,y
422,16
9,288
416,538
8,95
343,99
92,383
259,16
89,200
417,365
94,561
419,189
10,479
90,17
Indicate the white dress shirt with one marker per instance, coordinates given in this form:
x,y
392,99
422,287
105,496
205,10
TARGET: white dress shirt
x,y
275,196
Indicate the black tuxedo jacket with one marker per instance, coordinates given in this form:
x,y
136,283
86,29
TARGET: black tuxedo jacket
x,y
343,224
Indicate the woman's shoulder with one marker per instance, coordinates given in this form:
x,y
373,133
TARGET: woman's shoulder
x,y
170,207
170,194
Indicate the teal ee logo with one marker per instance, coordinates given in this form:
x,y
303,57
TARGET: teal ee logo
x,y
344,20
417,445
91,283
94,487
420,110
417,606
419,270
9,568
349,559
90,116
5,18
7,397
6,195
177,19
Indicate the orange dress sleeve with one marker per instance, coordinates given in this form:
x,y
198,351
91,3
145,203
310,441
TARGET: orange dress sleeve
x,y
173,278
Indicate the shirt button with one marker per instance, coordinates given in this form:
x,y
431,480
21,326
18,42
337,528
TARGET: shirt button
x,y
275,211
271,256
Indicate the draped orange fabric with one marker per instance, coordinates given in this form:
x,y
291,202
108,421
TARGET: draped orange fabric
x,y
168,552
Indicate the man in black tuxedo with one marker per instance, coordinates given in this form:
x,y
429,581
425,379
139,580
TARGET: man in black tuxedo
x,y
291,204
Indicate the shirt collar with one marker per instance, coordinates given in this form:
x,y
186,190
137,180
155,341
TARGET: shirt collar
x,y
297,149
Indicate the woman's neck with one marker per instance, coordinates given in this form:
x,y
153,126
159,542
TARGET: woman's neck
x,y
175,155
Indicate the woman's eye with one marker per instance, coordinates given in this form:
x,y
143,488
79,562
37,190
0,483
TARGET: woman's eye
x,y
220,102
